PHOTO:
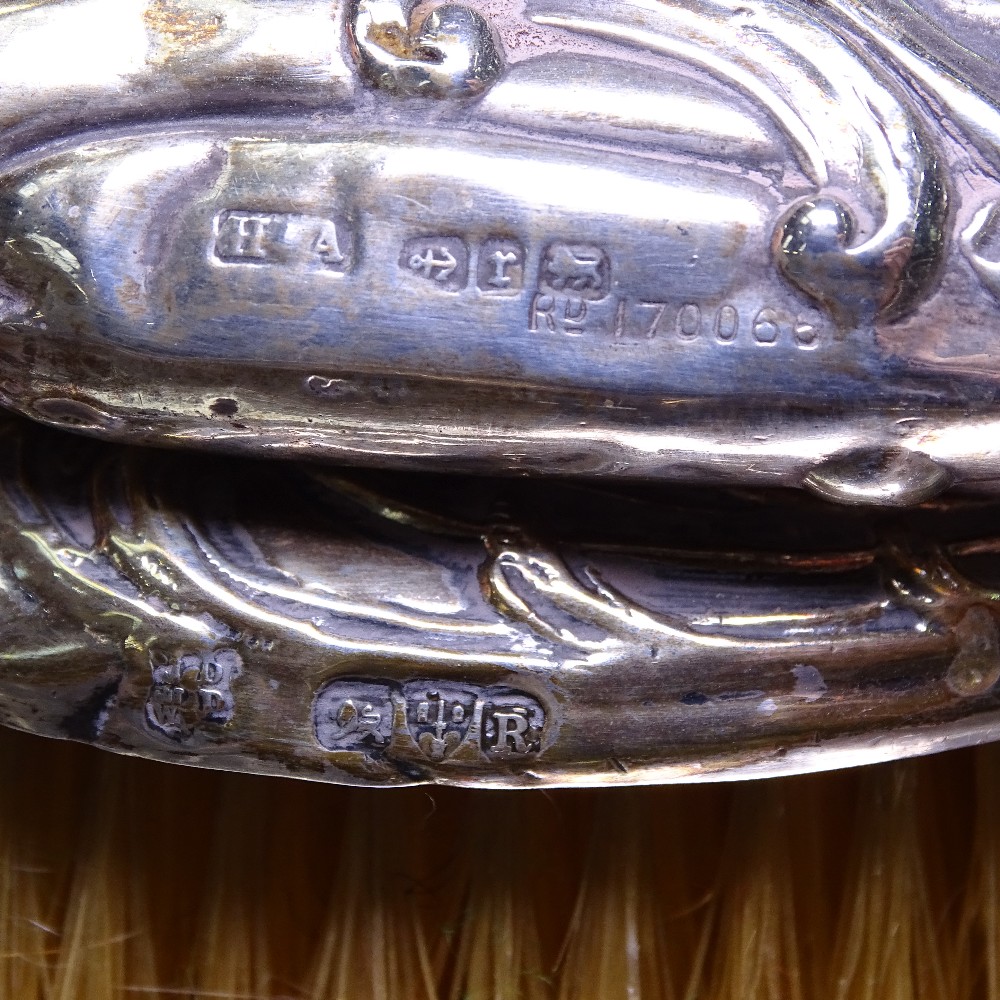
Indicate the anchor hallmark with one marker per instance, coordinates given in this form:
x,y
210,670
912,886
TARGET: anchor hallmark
x,y
441,260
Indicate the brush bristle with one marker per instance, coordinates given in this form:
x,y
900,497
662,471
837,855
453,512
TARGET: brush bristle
x,y
121,878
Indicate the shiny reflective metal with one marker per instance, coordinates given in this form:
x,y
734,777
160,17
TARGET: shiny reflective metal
x,y
724,243
384,630
714,241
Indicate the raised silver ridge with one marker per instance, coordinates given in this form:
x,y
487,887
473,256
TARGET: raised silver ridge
x,y
723,241
390,630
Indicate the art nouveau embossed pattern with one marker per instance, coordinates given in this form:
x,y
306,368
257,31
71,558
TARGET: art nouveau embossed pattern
x,y
362,628
719,241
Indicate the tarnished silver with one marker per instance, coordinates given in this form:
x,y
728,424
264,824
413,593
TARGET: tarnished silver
x,y
450,52
750,243
719,241
384,630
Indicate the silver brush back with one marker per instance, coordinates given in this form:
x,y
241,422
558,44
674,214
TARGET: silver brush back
x,y
685,251
375,629
712,242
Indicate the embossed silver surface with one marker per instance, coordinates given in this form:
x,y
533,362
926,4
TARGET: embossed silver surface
x,y
386,630
741,244
721,241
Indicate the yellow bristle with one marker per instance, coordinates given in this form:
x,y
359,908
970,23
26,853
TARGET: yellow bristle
x,y
131,880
